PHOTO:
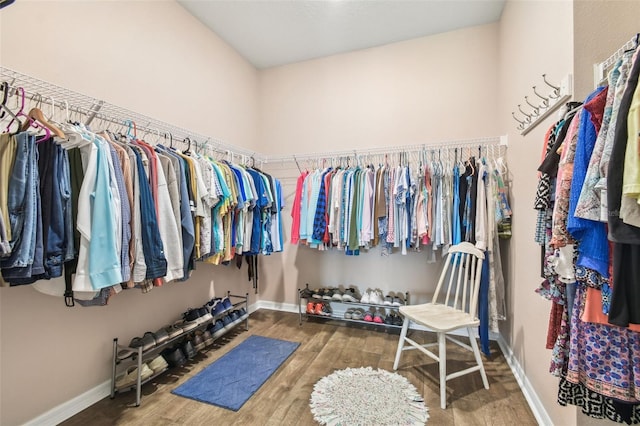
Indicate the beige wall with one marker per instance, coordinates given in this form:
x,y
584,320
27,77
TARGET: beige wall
x,y
424,90
153,58
535,38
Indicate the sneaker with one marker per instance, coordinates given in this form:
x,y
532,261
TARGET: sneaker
x,y
368,316
173,331
375,297
378,316
311,308
205,315
226,302
328,295
188,349
325,309
348,314
175,357
235,318
397,319
218,329
186,326
366,297
129,378
158,364
351,295
397,301
388,320
318,293
217,308
243,313
388,300
226,320
318,309
198,341
337,295
208,337
358,314
147,341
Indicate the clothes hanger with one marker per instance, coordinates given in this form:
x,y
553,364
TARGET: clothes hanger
x,y
188,150
5,109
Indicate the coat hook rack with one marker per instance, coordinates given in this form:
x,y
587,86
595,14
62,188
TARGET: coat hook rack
x,y
557,96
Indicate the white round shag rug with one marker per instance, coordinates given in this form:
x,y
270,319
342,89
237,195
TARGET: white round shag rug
x,y
364,396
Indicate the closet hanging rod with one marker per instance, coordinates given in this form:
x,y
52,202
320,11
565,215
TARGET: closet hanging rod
x,y
600,69
448,144
88,106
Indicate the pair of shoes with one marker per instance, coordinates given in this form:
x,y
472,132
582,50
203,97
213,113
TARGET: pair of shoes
x,y
348,314
198,341
375,297
368,315
351,295
318,308
208,337
188,349
396,318
398,300
130,377
185,326
337,295
379,316
158,364
243,313
318,293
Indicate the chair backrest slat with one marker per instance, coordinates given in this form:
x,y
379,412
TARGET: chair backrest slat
x,y
462,273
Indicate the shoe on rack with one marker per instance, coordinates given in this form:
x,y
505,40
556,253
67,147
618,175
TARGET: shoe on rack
x,y
175,357
226,302
337,295
158,364
173,331
388,320
397,319
147,341
207,337
311,308
368,316
358,314
398,301
366,297
161,336
205,314
379,316
198,341
235,317
228,323
328,294
348,314
388,300
318,293
130,377
243,313
192,315
375,297
188,349
306,292
218,329
351,295
323,309
217,307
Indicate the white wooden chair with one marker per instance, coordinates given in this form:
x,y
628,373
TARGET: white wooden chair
x,y
453,307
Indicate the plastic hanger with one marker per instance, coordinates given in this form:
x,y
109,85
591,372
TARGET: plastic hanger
x,y
5,109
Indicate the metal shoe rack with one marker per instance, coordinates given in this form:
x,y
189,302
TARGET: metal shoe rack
x,y
138,356
339,308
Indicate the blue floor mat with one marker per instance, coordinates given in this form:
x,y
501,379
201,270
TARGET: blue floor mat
x,y
231,380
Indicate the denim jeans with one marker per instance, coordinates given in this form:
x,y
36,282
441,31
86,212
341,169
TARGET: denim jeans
x,y
22,203
151,241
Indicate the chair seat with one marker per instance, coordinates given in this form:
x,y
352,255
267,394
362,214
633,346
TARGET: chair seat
x,y
438,317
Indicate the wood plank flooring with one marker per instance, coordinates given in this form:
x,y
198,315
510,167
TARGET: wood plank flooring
x,y
284,398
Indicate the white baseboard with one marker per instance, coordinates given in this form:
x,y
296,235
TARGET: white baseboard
x,y
541,415
276,306
72,407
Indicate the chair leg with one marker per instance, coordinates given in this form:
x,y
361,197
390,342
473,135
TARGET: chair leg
x,y
442,354
476,353
403,334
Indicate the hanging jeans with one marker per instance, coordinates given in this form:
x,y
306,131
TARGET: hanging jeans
x,y
22,203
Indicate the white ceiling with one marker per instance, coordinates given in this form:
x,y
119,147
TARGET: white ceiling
x,y
270,33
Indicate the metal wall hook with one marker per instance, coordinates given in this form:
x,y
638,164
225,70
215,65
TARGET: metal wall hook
x,y
545,101
556,89
535,111
528,119
513,114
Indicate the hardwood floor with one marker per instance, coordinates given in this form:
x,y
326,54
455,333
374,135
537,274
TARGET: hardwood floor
x,y
284,398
